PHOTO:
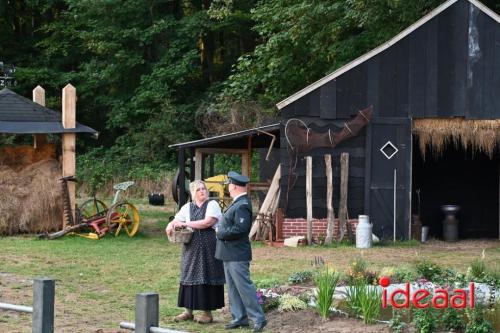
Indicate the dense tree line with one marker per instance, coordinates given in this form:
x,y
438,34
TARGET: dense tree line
x,y
150,73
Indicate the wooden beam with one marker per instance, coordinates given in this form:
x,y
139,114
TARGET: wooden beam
x,y
198,164
249,164
309,198
39,97
245,160
69,142
182,176
329,199
344,178
208,151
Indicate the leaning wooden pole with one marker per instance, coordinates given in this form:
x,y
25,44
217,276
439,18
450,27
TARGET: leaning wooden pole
x,y
329,199
309,198
69,142
344,176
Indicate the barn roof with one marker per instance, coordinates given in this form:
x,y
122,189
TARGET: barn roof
x,y
261,139
19,115
383,47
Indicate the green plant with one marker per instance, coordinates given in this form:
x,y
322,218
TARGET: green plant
x,y
477,322
300,277
403,273
364,300
425,320
477,269
326,282
452,319
428,270
266,283
290,303
271,303
358,271
396,323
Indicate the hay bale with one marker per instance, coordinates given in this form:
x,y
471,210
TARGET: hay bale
x,y
31,199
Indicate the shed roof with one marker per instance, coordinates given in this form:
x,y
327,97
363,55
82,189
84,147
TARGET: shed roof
x,y
383,47
238,139
19,115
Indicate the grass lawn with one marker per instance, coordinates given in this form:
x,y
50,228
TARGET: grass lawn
x,y
97,280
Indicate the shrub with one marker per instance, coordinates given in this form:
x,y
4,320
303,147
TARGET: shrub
x,y
326,282
477,269
428,270
477,322
357,271
300,277
403,274
425,320
290,303
452,319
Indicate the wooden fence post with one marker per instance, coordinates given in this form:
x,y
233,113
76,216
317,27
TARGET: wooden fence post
x,y
309,198
39,98
69,142
146,312
344,178
43,305
329,199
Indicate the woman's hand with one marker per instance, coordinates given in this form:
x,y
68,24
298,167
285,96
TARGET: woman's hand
x,y
169,229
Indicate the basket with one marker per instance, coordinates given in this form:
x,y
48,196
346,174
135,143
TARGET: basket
x,y
181,236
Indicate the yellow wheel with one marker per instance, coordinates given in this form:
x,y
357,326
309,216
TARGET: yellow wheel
x,y
123,216
92,207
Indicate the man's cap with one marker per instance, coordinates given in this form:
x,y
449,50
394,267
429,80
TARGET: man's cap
x,y
237,179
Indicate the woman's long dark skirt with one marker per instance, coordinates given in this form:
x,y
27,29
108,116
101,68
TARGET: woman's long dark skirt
x,y
201,297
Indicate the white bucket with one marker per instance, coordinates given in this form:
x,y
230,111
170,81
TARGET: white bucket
x,y
363,232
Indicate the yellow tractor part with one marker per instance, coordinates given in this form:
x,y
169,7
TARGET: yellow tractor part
x,y
90,235
216,184
123,216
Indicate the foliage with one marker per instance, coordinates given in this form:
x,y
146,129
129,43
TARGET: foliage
x,y
300,277
428,270
358,271
266,283
326,283
396,323
452,319
403,273
291,303
477,322
364,300
477,269
425,320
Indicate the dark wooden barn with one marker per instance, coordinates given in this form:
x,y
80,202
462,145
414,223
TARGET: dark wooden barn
x,y
444,67
433,138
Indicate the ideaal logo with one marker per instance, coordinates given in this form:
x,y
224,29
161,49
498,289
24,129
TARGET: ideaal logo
x,y
420,297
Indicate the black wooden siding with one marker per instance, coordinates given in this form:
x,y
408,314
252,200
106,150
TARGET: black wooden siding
x,y
449,66
296,204
439,70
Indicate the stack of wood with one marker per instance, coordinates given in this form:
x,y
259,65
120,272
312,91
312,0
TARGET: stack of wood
x,y
265,219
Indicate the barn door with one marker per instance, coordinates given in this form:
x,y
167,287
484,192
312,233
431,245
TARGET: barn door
x,y
388,162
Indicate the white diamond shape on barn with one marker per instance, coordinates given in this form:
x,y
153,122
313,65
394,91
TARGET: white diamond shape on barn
x,y
389,150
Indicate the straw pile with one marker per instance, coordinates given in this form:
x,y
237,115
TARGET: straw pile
x,y
478,135
31,199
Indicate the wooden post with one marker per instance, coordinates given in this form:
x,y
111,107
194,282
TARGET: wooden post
x,y
182,176
191,166
39,98
69,142
249,164
198,164
309,198
244,163
344,177
329,199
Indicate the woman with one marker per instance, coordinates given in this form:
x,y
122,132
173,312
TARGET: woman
x,y
202,276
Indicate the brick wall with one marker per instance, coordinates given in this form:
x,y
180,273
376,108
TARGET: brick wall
x,y
298,227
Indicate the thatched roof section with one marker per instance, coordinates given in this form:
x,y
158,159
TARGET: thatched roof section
x,y
478,135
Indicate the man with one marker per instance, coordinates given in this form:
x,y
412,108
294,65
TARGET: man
x,y
233,248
